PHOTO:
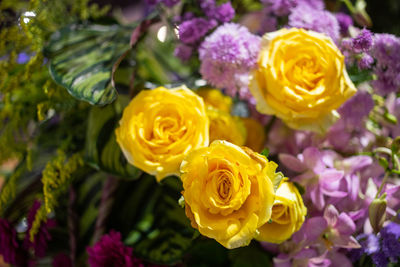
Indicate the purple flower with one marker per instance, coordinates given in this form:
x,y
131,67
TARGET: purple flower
x,y
227,56
23,58
280,7
184,52
320,181
349,133
365,62
331,230
170,3
222,13
363,41
191,31
305,257
354,110
316,4
9,247
110,251
390,235
304,16
41,238
385,50
345,21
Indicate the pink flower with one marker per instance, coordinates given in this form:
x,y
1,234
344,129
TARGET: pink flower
x,y
320,180
331,230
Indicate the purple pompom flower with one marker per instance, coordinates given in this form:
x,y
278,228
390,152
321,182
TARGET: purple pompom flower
x,y
304,16
184,52
41,238
365,62
191,31
280,7
385,50
320,181
227,56
345,21
363,41
222,13
110,251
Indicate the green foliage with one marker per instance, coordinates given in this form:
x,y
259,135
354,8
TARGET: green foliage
x,y
252,255
152,220
102,150
82,58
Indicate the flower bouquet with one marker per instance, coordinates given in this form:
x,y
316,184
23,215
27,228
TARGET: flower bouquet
x,y
198,133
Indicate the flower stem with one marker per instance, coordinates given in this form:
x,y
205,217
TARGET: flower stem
x,y
382,184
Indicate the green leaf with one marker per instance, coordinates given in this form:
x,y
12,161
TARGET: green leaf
x,y
102,149
250,256
265,152
82,58
154,223
278,178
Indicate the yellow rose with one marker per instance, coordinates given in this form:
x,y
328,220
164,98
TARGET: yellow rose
x,y
288,214
301,78
256,136
159,128
223,126
228,192
216,99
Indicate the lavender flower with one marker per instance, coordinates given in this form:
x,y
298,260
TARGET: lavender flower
x,y
110,251
184,52
345,21
331,230
386,53
304,16
222,13
191,31
365,62
280,7
349,133
320,181
356,108
9,247
39,243
390,235
383,248
363,41
227,56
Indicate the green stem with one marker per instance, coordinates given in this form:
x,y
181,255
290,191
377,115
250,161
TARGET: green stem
x,y
349,5
382,184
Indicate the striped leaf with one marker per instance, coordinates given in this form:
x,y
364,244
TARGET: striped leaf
x,y
151,219
82,59
102,150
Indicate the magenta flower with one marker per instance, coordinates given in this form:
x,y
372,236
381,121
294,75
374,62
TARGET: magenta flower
x,y
320,181
331,230
39,243
110,251
9,247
